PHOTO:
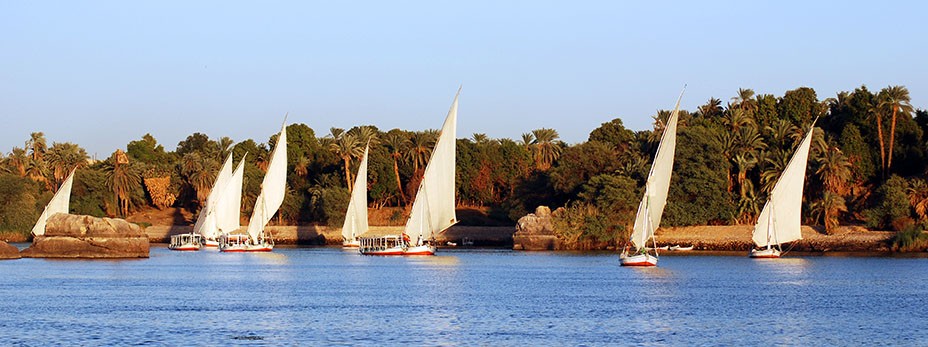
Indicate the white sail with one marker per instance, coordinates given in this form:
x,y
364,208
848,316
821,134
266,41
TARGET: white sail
x,y
651,207
206,221
273,188
433,210
60,203
356,216
779,220
229,207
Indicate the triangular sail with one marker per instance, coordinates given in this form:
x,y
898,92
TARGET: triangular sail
x,y
356,216
433,210
60,203
273,188
229,207
206,222
784,207
651,207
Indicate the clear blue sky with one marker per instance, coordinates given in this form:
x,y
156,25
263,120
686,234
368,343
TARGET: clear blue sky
x,y
103,73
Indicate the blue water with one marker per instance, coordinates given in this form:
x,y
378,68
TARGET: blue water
x,y
326,296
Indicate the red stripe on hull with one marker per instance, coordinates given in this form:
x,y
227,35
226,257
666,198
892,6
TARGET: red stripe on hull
x,y
419,253
383,253
643,263
765,256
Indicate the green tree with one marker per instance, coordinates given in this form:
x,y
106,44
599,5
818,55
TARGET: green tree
x,y
897,99
545,147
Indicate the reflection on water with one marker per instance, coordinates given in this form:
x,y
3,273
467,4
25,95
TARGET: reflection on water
x,y
327,296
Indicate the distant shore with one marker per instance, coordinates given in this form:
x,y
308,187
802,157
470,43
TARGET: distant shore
x,y
483,236
707,240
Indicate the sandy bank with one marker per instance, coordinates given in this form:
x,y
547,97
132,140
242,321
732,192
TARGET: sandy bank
x,y
738,238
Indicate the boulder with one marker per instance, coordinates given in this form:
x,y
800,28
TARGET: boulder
x,y
535,232
76,236
8,251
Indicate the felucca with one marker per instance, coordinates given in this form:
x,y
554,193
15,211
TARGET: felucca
x,y
651,207
60,203
356,215
273,190
778,222
206,231
433,210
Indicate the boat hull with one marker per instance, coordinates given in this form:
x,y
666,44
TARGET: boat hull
x,y
351,244
417,250
187,247
770,253
639,260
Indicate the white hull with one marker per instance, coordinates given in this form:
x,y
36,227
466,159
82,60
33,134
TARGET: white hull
x,y
185,242
351,244
185,247
765,253
639,260
680,248
241,243
211,244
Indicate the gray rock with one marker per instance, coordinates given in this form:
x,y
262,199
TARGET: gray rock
x,y
76,236
8,251
535,232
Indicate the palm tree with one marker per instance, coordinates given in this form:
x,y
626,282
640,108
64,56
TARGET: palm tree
x,y
37,144
834,170
346,146
301,167
225,146
122,179
62,157
419,149
18,161
736,118
711,108
728,149
396,145
918,197
828,209
877,115
527,139
37,170
200,174
896,98
745,100
545,147
367,134
481,138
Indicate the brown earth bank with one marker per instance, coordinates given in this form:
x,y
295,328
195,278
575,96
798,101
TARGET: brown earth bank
x,y
76,236
8,251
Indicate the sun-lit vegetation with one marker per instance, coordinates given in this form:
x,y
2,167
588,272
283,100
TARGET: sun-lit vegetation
x,y
867,166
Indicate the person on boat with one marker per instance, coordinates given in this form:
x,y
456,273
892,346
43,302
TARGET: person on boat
x,y
405,238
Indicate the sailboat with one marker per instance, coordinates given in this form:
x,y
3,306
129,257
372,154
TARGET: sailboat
x,y
433,210
205,230
60,203
651,207
356,215
273,189
778,222
229,207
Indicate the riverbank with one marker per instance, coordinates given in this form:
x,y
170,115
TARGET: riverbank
x,y
482,236
738,238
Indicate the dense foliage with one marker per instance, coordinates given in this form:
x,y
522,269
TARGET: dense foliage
x,y
866,167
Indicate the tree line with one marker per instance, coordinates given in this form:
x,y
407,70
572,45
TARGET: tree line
x,y
867,167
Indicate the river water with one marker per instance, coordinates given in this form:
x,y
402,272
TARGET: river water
x,y
327,296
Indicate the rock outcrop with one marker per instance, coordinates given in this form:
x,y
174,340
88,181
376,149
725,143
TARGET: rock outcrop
x,y
75,236
8,251
535,232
